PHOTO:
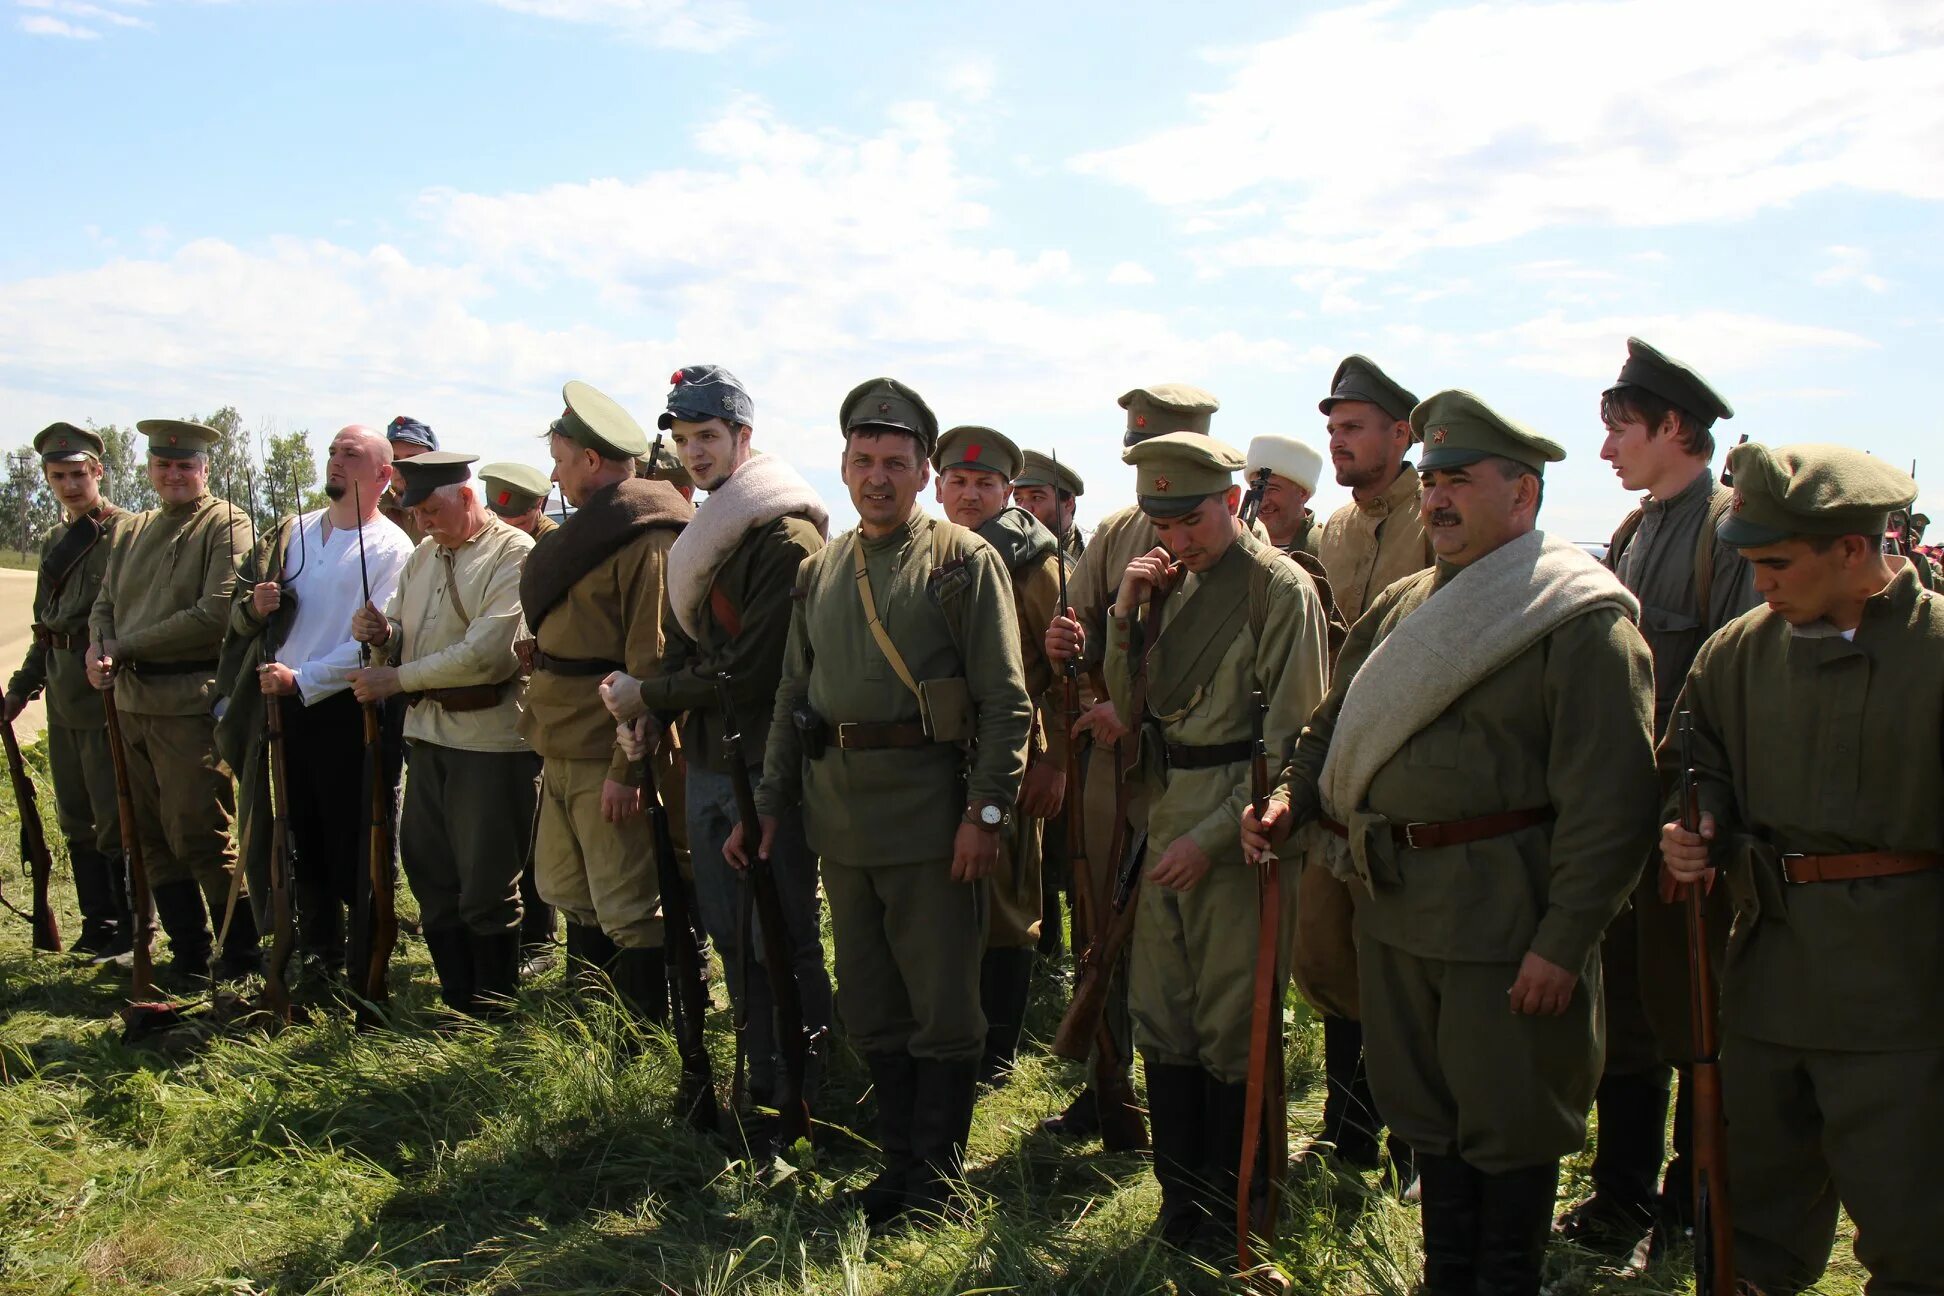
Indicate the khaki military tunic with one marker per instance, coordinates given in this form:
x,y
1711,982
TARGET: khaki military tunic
x,y
1566,724
164,603
1833,1010
909,939
1369,544
542,525
1016,887
401,517
1194,952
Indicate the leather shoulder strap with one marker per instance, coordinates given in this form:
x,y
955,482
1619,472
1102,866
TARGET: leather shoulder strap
x,y
878,632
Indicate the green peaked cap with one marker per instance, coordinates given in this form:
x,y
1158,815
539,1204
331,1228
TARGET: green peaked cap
x,y
596,422
971,446
178,438
1814,490
1038,469
1458,428
1177,470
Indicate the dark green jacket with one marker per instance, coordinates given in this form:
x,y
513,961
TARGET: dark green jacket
x,y
64,594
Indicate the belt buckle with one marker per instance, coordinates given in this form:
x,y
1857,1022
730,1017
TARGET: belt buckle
x,y
1792,855
842,733
1410,836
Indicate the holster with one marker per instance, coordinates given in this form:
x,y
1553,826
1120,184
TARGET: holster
x,y
813,731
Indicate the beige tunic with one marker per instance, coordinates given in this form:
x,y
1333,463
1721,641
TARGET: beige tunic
x,y
1371,544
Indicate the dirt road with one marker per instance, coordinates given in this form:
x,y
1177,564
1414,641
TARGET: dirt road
x,y
16,632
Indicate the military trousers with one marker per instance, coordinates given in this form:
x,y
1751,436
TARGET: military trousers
x,y
1457,1073
1016,886
463,834
598,874
1191,968
184,801
1324,957
1810,1130
909,940
85,802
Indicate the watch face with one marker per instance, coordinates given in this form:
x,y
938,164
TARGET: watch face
x,y
991,815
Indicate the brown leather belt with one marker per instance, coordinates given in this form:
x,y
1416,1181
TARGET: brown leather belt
x,y
1455,832
1863,864
466,697
871,737
544,661
58,639
173,668
1192,756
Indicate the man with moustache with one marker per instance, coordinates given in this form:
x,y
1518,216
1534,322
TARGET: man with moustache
x,y
903,649
976,467
1483,758
155,633
1285,513
73,558
1659,416
307,674
517,495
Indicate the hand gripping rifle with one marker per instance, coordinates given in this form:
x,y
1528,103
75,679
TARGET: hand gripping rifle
x,y
1265,1129
33,843
141,901
797,1043
276,985
382,914
1714,1234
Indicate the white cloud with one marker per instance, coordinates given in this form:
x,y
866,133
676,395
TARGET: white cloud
x,y
670,24
1130,272
1716,342
1374,133
1850,265
42,25
88,18
971,79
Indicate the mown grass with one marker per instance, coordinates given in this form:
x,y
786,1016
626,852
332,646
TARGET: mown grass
x,y
539,1157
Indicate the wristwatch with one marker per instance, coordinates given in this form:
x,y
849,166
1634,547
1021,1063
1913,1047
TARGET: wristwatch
x,y
987,816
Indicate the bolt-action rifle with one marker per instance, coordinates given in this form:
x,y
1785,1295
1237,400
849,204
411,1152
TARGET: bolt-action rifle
x,y
688,978
1714,1234
380,908
1265,1127
33,844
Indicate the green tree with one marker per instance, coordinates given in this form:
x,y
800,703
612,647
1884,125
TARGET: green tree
x,y
29,507
290,470
124,461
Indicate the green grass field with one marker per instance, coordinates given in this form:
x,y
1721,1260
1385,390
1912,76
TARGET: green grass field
x,y
539,1157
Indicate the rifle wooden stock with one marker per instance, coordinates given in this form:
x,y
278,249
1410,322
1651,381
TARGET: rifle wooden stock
x,y
689,980
792,1039
142,984
383,921
1714,1233
33,843
1084,1022
1264,1119
276,986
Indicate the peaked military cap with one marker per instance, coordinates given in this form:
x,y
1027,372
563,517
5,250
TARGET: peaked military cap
x,y
64,442
970,446
1359,379
889,404
1037,469
698,393
1167,407
1810,490
663,464
1672,381
1178,470
1457,429
412,432
1287,457
178,438
512,489
595,422
426,473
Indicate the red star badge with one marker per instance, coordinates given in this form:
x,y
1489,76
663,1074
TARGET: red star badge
x,y
1161,483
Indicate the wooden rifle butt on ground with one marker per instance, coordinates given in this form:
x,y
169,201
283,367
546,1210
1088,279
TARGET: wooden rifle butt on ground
x,y
1086,1013
33,844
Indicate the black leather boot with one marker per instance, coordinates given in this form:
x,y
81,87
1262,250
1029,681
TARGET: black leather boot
x,y
452,960
496,970
1349,1114
1079,1122
1222,1119
894,1086
1514,1221
941,1124
1632,1113
94,891
185,920
1005,985
1177,1096
641,978
242,946
1450,1197
590,951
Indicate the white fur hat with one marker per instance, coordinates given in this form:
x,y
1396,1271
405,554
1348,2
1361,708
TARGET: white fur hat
x,y
1285,457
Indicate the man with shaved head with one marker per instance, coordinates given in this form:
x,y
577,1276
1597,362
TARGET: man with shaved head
x,y
310,585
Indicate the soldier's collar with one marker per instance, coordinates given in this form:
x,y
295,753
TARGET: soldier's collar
x,y
1402,491
1699,489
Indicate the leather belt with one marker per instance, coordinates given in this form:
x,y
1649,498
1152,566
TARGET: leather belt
x,y
466,697
1455,832
59,639
173,668
545,661
872,737
1190,756
1863,864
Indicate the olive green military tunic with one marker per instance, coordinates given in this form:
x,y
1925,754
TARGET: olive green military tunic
x,y
164,604
1309,536
884,819
1565,724
542,525
73,559
1810,742
1194,952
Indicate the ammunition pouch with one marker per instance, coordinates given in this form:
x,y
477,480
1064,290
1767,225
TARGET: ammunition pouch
x,y
813,731
945,709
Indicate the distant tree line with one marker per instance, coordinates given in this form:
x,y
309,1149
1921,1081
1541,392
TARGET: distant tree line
x,y
261,470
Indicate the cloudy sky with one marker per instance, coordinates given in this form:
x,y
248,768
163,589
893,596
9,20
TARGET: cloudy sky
x,y
338,211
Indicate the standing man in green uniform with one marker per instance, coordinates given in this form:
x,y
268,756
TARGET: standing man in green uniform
x,y
1050,492
1659,417
1236,621
1486,752
903,649
408,437
1293,467
1817,743
975,467
445,642
592,594
72,560
1121,537
517,494
1375,539
155,634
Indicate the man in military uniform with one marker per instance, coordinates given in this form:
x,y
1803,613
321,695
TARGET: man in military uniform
x,y
730,574
1050,491
666,465
1235,621
1375,539
903,648
1486,752
592,596
445,641
1817,751
1112,816
72,559
517,495
155,631
976,467
1293,467
408,437
1659,417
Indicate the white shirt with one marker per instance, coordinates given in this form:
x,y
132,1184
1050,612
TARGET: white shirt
x,y
317,645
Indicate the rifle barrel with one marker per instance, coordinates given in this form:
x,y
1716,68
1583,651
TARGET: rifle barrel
x,y
142,984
